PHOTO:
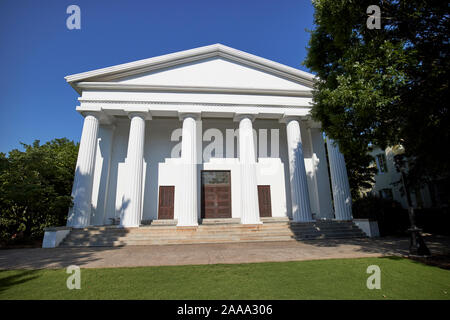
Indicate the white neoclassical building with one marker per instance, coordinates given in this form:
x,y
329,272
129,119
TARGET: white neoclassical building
x,y
206,133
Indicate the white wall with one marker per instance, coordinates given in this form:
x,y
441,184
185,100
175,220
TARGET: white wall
x,y
111,178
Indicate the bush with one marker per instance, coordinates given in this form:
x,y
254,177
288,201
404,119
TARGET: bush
x,y
391,217
433,220
35,189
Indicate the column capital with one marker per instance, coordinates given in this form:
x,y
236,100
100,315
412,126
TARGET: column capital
x,y
238,116
286,118
100,114
145,115
193,114
95,114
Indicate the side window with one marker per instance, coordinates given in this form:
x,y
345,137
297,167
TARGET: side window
x,y
381,163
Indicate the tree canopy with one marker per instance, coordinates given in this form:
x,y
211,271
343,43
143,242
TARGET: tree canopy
x,y
35,188
384,86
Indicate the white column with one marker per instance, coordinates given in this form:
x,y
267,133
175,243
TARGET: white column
x,y
301,208
189,205
324,201
339,183
247,160
135,163
108,145
80,213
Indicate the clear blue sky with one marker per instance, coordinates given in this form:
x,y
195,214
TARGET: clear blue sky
x,y
37,50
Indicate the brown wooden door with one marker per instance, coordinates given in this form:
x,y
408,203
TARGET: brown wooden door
x,y
265,204
216,194
166,200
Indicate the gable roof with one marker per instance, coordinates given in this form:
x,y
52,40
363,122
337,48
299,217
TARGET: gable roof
x,y
183,57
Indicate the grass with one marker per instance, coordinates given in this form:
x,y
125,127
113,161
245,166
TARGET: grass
x,y
319,279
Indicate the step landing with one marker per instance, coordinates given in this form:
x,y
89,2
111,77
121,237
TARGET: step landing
x,y
212,231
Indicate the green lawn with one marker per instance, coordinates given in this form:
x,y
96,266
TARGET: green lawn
x,y
320,279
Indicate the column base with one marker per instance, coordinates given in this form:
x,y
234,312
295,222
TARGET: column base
x,y
187,224
251,222
130,226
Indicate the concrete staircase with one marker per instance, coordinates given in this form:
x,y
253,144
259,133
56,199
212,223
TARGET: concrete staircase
x,y
272,229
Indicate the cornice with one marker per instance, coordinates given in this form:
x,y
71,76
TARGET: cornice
x,y
191,89
152,103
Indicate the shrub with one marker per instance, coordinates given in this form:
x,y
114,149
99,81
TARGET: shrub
x,y
433,220
35,188
391,217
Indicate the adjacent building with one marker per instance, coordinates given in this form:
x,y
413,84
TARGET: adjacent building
x,y
388,183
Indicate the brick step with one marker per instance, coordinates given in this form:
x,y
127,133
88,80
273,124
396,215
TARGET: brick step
x,y
202,240
176,241
211,228
221,222
214,232
261,233
204,236
209,236
206,233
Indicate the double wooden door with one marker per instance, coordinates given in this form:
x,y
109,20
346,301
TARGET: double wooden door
x,y
215,198
216,194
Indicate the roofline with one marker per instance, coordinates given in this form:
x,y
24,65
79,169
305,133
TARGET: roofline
x,y
185,56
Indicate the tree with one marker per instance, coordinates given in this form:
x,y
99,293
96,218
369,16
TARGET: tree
x,y
35,188
385,86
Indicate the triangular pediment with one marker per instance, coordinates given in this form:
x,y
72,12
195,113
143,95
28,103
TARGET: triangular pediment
x,y
212,72
215,66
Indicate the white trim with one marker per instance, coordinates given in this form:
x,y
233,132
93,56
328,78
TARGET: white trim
x,y
181,57
175,103
196,89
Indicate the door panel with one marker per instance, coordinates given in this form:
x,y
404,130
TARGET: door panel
x,y
265,203
166,201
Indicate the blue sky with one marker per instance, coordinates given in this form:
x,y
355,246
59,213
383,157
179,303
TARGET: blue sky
x,y
37,50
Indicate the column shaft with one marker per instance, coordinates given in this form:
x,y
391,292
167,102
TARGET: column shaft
x,y
247,159
301,209
80,213
189,212
135,163
339,183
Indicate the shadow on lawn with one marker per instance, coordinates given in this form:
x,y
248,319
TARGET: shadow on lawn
x,y
437,260
379,245
395,248
18,278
